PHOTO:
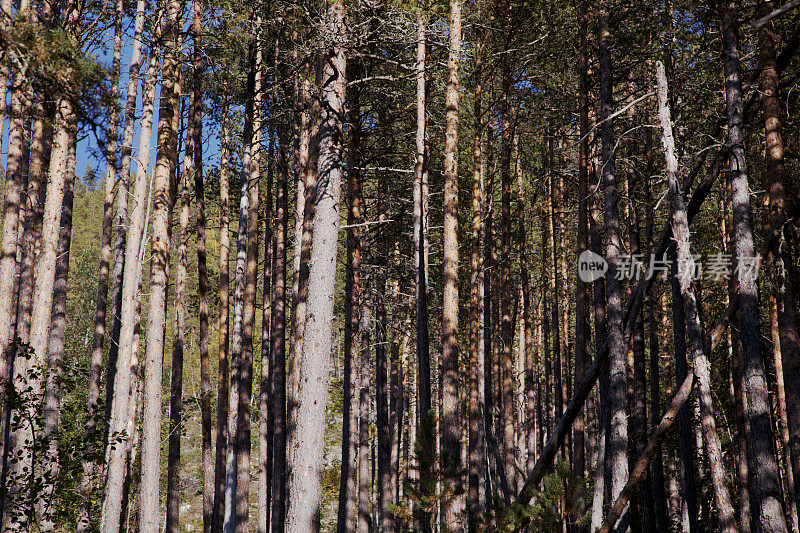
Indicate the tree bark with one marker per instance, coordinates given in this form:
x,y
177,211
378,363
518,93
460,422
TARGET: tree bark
x,y
582,329
305,484
55,352
765,493
348,496
702,368
179,330
279,477
450,452
243,422
124,402
476,438
166,155
424,401
223,386
618,437
120,220
202,270
783,300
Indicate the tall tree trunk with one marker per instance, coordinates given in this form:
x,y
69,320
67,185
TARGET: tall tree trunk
x,y
29,370
765,494
582,329
243,425
55,353
16,168
239,302
202,269
450,452
279,477
305,484
506,292
425,422
305,190
382,429
617,440
179,330
702,368
220,459
304,232
476,438
120,220
348,497
166,155
364,441
124,403
266,415
96,364
783,299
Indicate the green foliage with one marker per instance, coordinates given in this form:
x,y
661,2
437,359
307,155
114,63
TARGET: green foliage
x,y
563,498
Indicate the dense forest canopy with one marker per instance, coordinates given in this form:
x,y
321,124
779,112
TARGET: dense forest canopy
x,y
363,265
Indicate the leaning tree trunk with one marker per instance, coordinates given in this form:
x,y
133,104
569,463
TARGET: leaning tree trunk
x,y
305,484
125,400
166,155
617,439
120,217
702,367
450,452
765,489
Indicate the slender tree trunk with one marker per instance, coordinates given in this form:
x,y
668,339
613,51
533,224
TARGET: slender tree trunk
x,y
202,270
305,484
450,453
124,402
506,292
617,441
364,480
305,190
348,497
476,438
279,477
179,330
582,330
220,459
783,299
120,220
764,480
55,353
266,415
237,334
702,368
243,423
425,422
96,365
382,429
16,168
166,155
304,233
